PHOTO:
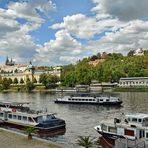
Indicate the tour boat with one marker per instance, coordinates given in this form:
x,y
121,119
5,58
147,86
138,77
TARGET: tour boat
x,y
130,127
89,99
16,115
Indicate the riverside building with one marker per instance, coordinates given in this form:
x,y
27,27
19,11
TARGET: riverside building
x,y
133,82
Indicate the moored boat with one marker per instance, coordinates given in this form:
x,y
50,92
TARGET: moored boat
x,y
17,116
89,99
131,127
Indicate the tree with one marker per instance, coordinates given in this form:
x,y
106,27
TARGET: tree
x,y
5,83
15,81
10,81
21,81
85,141
93,58
34,80
29,86
29,131
130,53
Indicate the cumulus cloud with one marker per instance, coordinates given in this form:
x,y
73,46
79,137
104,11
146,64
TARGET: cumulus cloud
x,y
84,27
132,36
63,50
15,39
122,9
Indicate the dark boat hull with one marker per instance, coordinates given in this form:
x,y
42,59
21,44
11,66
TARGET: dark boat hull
x,y
110,135
51,131
91,103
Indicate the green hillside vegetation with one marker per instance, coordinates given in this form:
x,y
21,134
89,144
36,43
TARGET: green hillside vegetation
x,y
112,69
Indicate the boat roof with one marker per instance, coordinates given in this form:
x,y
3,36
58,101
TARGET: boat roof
x,y
14,103
137,115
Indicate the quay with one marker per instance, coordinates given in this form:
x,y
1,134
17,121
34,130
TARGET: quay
x,y
14,139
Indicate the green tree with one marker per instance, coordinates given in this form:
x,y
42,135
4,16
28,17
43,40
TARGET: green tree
x,y
29,86
131,53
21,81
29,131
10,81
15,81
85,141
5,83
34,80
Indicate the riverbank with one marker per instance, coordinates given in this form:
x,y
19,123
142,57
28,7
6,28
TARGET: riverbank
x,y
16,140
131,89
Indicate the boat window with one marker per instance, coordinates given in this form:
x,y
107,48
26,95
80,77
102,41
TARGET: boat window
x,y
69,99
129,132
19,117
112,129
93,99
104,127
107,100
129,119
35,119
24,118
14,116
134,119
30,119
90,99
139,120
79,99
10,116
146,135
101,99
1,114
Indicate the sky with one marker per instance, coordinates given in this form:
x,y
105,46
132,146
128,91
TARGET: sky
x,y
60,32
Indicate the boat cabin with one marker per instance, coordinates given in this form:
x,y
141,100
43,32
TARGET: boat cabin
x,y
137,119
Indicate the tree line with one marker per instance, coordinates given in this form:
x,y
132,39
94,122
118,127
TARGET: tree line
x,y
111,70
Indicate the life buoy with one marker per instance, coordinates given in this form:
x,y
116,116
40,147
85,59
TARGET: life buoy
x,y
13,109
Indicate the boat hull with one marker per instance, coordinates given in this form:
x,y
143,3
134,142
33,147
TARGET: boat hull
x,y
110,135
92,103
50,131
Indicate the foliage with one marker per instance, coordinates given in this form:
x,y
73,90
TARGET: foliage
x,y
49,81
85,141
15,81
29,86
5,83
21,81
29,131
34,80
112,69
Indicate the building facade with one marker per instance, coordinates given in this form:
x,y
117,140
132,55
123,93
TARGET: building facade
x,y
133,82
24,72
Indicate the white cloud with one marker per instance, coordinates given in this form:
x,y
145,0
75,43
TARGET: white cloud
x,y
82,26
122,9
64,49
15,39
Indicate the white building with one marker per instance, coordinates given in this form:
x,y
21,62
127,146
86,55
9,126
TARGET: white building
x,y
133,82
139,52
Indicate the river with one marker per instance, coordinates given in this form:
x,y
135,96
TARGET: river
x,y
80,119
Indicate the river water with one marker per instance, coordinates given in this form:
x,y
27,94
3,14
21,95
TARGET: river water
x,y
80,119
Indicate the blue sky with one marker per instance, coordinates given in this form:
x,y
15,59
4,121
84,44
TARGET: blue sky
x,y
59,32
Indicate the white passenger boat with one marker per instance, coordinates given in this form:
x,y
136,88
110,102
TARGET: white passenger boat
x,y
131,127
89,99
16,115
